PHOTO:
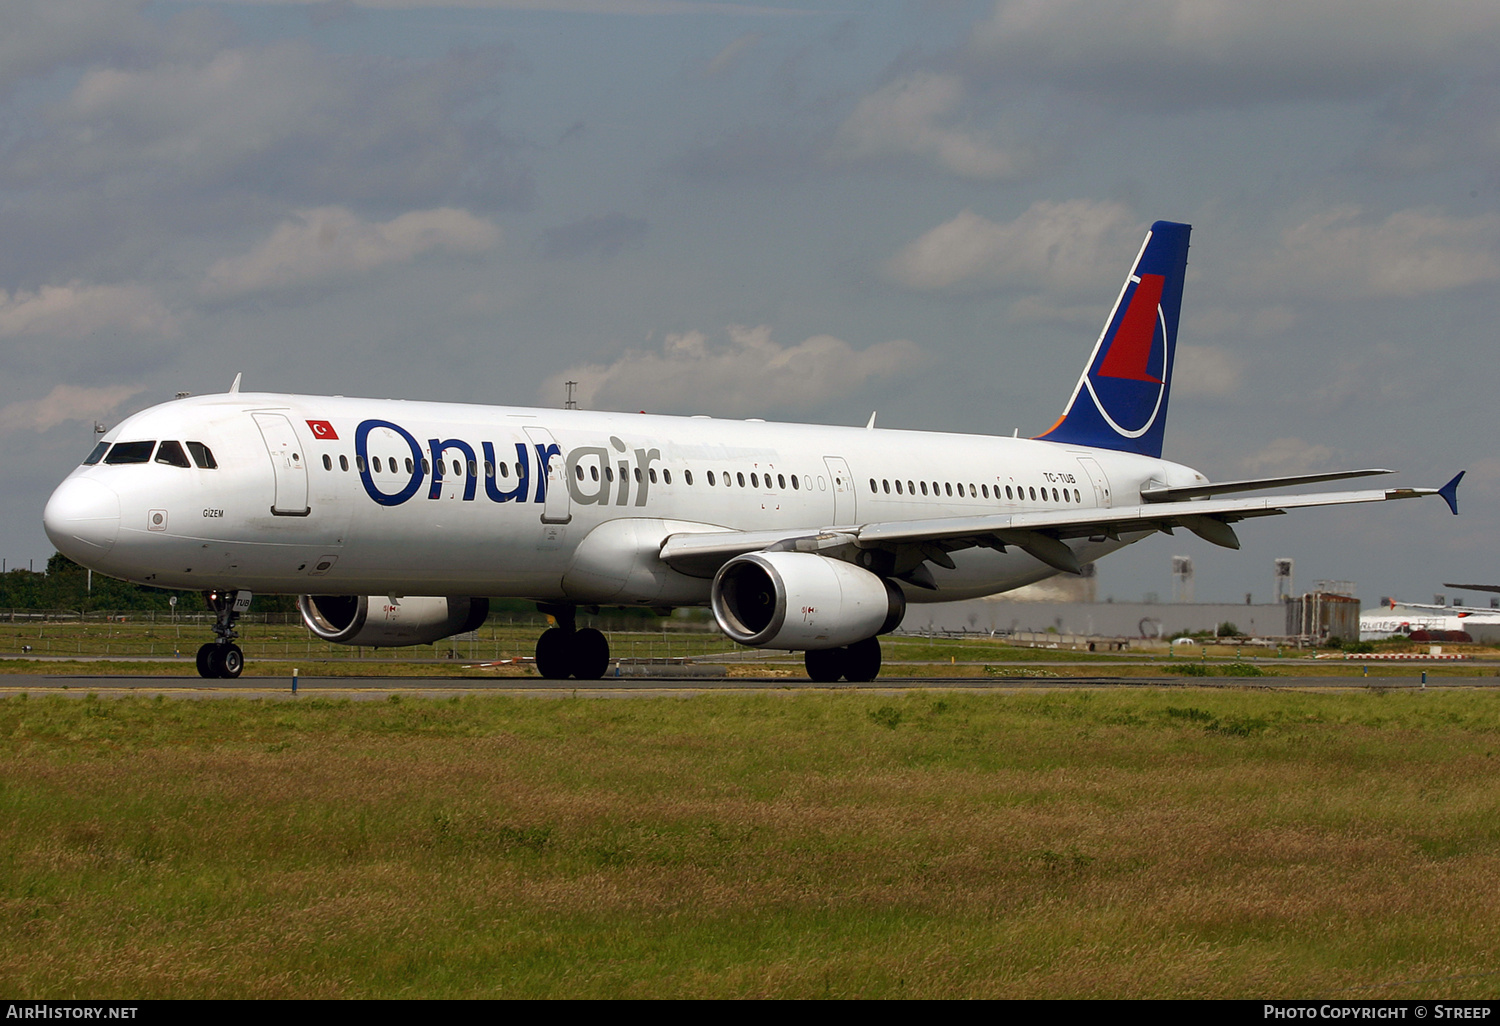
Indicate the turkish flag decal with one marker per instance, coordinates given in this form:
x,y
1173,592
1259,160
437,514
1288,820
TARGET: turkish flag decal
x,y
322,429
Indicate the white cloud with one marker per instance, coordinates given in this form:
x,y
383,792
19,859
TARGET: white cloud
x,y
330,242
1056,247
915,116
1206,371
1411,253
750,375
288,121
1190,52
1287,456
64,403
77,310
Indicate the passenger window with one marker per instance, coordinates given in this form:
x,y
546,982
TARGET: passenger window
x,y
578,472
710,478
973,492
505,470
376,461
924,487
755,481
203,456
473,468
171,454
344,463
1076,496
666,476
637,475
984,491
359,463
408,465
740,477
1033,494
593,472
130,452
898,488
911,488
96,455
886,486
1008,495
424,467
327,462
794,483
652,473
687,475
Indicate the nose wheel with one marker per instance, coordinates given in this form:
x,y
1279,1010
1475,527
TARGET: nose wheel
x,y
221,658
224,662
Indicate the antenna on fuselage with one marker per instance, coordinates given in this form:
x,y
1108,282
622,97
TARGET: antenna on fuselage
x,y
871,426
236,386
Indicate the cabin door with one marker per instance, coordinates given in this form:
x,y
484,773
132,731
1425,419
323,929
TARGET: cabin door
x,y
1097,479
287,463
842,483
551,484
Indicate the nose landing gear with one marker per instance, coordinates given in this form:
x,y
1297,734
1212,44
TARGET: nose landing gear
x,y
222,658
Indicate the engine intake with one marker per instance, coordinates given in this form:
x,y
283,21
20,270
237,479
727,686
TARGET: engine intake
x,y
381,622
800,600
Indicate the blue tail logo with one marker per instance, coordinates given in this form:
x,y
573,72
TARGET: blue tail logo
x,y
1120,402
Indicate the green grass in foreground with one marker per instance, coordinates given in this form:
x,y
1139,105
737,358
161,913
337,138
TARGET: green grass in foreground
x,y
1178,842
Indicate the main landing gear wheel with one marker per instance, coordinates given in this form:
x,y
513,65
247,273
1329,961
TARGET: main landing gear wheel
x,y
858,663
583,654
590,654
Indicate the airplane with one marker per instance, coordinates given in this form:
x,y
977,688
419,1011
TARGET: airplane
x,y
1402,619
396,522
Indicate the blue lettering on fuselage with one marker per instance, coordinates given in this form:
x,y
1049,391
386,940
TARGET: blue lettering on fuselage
x,y
544,454
361,450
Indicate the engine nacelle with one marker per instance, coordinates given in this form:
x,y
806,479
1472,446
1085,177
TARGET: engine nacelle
x,y
378,621
800,600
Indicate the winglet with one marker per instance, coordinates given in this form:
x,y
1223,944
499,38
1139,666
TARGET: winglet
x,y
1449,491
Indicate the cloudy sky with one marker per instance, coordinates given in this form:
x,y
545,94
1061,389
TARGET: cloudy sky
x,y
798,211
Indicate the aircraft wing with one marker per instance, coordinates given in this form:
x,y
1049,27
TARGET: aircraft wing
x,y
1040,533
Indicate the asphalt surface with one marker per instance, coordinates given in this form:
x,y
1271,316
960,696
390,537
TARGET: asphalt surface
x,y
117,685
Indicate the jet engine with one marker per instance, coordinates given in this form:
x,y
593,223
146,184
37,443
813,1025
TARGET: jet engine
x,y
385,622
800,600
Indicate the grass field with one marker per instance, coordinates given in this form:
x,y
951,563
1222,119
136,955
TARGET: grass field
x,y
1172,842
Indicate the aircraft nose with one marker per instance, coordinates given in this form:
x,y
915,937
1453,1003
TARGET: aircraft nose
x,y
82,519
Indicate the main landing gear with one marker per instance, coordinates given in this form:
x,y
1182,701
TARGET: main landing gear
x,y
567,651
222,658
857,663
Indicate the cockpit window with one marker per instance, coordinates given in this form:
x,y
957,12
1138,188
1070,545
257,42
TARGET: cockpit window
x,y
171,454
202,455
97,454
130,452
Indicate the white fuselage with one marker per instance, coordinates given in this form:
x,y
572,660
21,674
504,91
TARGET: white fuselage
x,y
333,495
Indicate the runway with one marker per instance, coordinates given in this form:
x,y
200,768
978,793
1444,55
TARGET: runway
x,y
382,688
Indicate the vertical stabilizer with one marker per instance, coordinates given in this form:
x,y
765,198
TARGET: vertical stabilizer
x,y
1120,402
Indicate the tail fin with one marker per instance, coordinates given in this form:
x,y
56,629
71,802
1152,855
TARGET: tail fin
x,y
1120,402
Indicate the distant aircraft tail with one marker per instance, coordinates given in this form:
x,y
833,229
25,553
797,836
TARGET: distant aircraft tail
x,y
1120,402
